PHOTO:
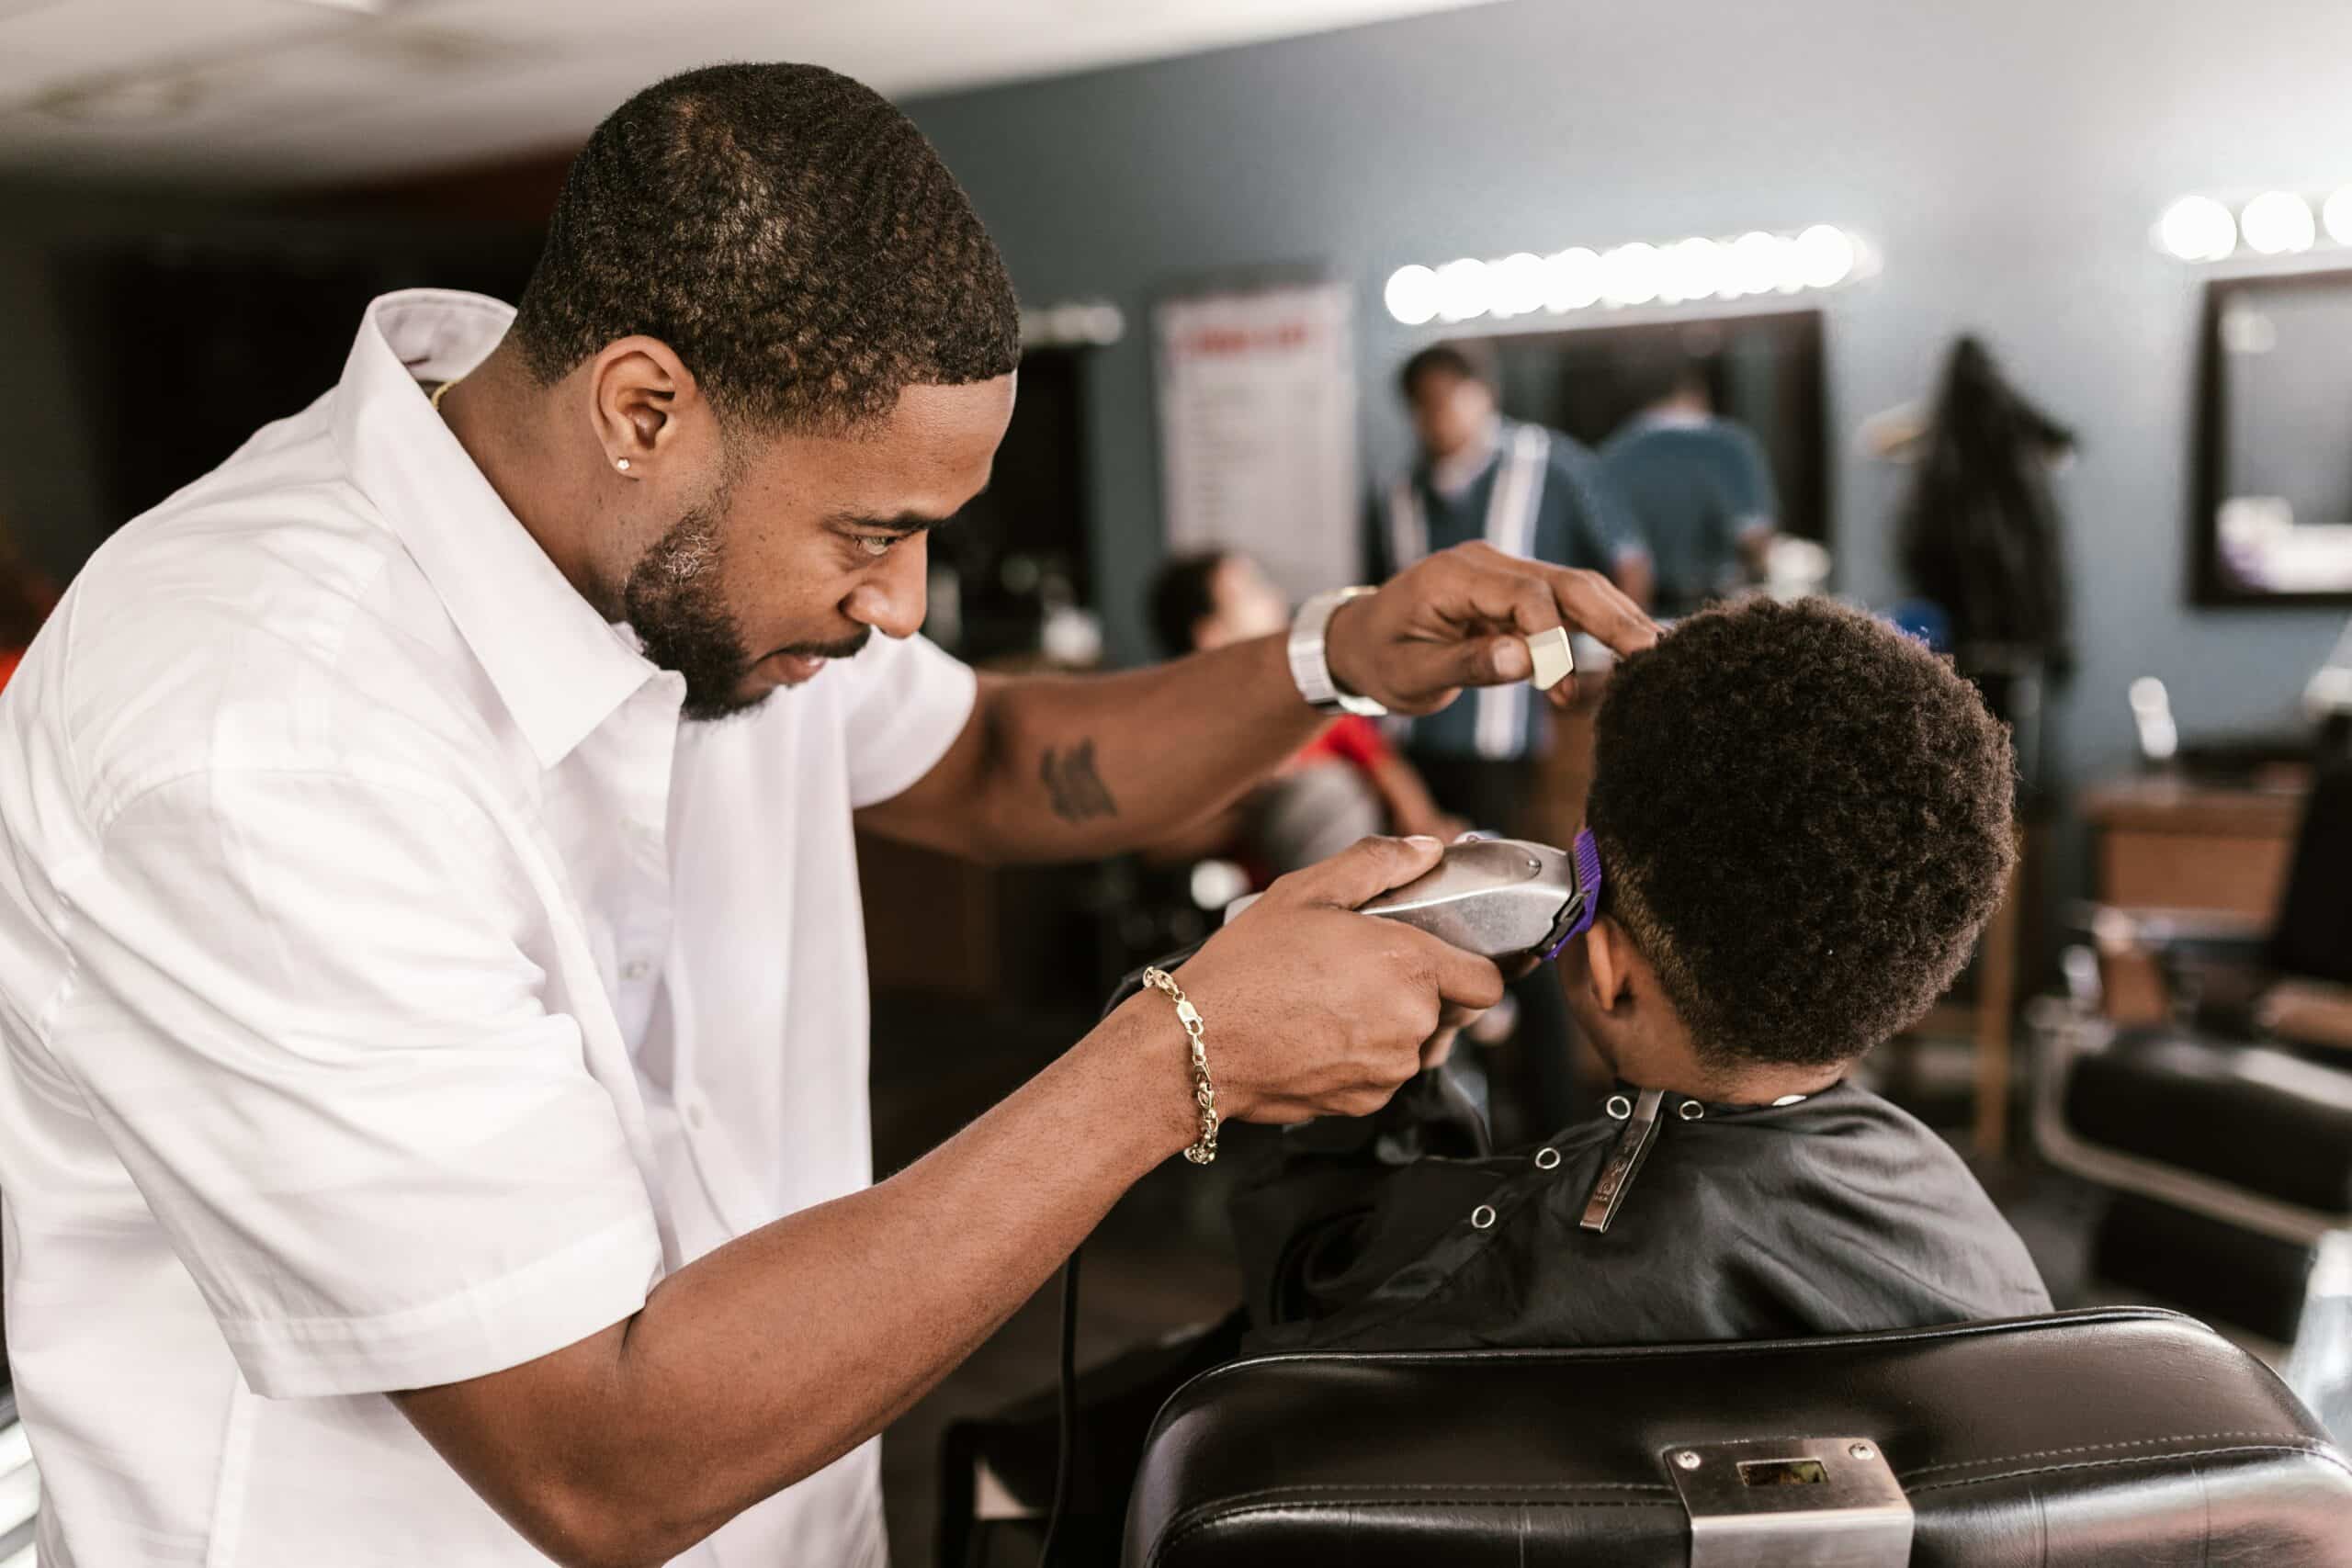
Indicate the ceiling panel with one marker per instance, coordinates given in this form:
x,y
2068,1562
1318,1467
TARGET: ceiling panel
x,y
295,91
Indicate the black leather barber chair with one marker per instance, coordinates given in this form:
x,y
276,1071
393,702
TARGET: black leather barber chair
x,y
2090,1439
2229,1146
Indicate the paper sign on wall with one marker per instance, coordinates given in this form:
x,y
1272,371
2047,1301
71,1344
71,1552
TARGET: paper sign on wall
x,y
1258,429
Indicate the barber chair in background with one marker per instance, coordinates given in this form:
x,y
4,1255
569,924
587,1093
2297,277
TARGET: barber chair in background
x,y
2091,1439
2224,1132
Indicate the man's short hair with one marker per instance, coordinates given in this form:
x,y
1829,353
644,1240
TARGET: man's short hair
x,y
1183,596
1804,819
1654,372
1470,359
792,237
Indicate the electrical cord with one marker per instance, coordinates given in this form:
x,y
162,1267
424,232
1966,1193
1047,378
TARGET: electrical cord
x,y
1066,1422
1066,1415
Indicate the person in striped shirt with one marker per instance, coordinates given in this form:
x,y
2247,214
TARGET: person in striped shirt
x,y
1528,491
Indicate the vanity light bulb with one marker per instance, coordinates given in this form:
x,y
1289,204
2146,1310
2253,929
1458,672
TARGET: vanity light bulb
x,y
1464,290
2339,216
1694,270
2277,222
1825,256
1571,279
2198,228
1411,295
1754,265
1631,274
1520,285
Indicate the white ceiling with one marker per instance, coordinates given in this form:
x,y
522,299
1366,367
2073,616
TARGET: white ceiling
x,y
295,91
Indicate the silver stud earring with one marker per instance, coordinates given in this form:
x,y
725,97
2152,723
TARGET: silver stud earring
x,y
621,463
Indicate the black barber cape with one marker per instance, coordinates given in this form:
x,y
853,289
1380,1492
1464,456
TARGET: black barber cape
x,y
1837,1215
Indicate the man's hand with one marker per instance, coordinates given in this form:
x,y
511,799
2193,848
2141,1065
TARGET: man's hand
x,y
1461,618
1313,1009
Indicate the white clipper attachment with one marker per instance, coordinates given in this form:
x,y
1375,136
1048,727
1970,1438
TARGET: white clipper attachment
x,y
1548,652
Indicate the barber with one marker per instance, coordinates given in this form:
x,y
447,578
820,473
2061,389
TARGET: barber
x,y
433,1121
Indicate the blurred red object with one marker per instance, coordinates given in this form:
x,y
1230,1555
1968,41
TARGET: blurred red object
x,y
25,598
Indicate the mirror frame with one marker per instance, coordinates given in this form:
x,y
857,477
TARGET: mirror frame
x,y
2209,587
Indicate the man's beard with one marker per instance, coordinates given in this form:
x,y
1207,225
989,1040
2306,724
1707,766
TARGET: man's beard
x,y
676,604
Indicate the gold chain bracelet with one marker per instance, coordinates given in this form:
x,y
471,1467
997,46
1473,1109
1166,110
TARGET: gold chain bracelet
x,y
1204,1092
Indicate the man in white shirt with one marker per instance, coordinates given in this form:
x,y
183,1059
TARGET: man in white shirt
x,y
433,1121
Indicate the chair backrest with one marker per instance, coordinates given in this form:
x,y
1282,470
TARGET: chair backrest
x,y
2314,936
2108,1438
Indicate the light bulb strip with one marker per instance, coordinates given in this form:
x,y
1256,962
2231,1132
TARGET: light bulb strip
x,y
1682,272
2198,228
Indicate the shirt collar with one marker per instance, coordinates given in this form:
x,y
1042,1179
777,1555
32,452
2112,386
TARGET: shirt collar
x,y
1673,419
558,667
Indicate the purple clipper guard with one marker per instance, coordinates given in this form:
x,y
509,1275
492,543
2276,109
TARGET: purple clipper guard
x,y
1586,856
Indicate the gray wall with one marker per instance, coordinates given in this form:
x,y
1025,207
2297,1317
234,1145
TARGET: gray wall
x,y
2006,157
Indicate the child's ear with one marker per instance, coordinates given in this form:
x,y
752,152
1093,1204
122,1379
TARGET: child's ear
x,y
1608,963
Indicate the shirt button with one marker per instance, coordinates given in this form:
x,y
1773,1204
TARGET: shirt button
x,y
694,1115
635,969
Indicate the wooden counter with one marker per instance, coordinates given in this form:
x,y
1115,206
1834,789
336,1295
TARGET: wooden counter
x,y
2171,844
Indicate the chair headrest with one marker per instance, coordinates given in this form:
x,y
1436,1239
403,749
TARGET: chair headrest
x,y
2080,1439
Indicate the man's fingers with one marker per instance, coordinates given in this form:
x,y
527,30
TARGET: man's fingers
x,y
1454,1015
1363,870
1487,592
1502,590
1442,668
1464,979
1592,603
1586,601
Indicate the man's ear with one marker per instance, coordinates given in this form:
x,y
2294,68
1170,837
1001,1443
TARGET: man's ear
x,y
1608,960
643,399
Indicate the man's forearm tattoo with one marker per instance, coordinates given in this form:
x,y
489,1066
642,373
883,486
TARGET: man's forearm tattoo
x,y
1075,788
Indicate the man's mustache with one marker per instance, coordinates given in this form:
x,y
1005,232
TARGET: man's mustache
x,y
847,648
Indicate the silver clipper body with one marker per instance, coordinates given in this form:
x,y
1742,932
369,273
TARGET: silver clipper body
x,y
1496,898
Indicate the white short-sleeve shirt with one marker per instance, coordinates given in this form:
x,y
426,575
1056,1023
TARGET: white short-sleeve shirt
x,y
393,989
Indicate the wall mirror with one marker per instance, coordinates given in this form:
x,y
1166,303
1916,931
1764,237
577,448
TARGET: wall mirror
x,y
1764,370
2273,524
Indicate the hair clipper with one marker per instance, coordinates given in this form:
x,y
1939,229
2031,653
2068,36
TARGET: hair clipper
x,y
1497,897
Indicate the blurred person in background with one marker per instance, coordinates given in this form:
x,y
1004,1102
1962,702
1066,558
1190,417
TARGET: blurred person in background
x,y
1346,782
1530,492
1526,492
1700,490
